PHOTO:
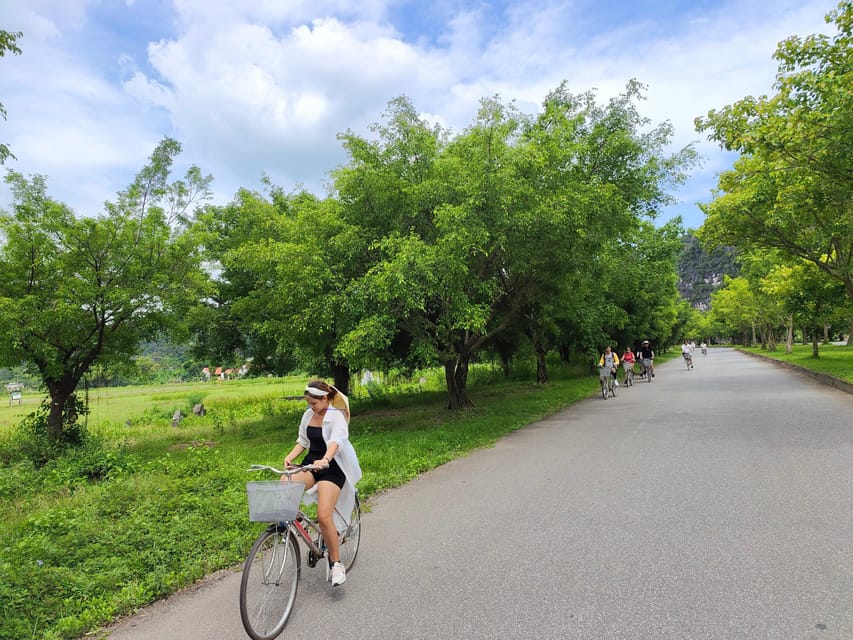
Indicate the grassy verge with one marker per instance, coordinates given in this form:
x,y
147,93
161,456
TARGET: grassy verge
x,y
146,511
835,360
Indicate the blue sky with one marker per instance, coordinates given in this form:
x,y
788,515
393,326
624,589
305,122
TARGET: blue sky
x,y
264,86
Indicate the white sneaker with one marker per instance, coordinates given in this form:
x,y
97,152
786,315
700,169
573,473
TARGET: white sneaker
x,y
339,574
615,383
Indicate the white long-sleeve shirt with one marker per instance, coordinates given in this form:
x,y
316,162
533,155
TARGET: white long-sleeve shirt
x,y
335,429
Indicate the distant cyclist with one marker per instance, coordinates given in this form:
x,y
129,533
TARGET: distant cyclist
x,y
628,361
647,358
687,353
610,361
704,347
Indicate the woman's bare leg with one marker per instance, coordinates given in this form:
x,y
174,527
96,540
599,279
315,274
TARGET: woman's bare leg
x,y
327,498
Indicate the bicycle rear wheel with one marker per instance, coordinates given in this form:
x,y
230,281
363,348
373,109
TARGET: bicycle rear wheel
x,y
268,586
351,538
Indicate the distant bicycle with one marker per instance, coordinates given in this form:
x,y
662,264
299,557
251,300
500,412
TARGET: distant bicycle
x,y
272,569
606,379
629,373
647,369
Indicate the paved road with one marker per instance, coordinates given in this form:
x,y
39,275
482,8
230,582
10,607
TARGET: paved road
x,y
711,504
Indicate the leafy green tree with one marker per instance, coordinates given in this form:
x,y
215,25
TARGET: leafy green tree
x,y
593,175
8,44
642,281
736,308
76,291
792,187
808,296
388,193
283,264
697,327
220,333
309,267
496,229
755,266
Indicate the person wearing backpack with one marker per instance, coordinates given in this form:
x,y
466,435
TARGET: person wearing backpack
x,y
609,360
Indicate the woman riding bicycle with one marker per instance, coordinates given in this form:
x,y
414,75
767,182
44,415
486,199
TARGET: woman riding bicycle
x,y
324,433
609,361
628,364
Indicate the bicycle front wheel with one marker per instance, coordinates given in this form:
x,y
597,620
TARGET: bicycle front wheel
x,y
268,587
603,388
351,538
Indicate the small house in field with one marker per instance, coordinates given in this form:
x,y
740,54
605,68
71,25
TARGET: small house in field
x,y
219,373
206,373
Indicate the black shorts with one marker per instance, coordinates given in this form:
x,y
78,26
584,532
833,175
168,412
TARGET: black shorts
x,y
333,474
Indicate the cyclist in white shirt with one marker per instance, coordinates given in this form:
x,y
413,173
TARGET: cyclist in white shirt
x,y
687,352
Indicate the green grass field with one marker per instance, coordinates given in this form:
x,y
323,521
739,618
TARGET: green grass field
x,y
835,360
147,509
116,405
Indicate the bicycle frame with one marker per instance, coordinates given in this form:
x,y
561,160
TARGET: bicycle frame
x,y
301,531
647,368
629,372
605,378
302,526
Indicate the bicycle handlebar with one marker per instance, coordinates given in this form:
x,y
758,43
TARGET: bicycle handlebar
x,y
289,472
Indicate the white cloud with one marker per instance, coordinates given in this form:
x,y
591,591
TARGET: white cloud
x,y
265,86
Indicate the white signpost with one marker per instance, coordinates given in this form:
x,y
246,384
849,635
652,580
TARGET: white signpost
x,y
16,392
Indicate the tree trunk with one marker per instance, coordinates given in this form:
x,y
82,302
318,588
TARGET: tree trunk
x,y
789,336
341,375
826,334
815,353
754,339
63,409
850,333
541,367
456,376
505,366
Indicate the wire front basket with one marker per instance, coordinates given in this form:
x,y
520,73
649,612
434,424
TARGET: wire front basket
x,y
274,500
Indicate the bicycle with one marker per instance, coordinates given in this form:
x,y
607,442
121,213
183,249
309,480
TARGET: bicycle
x,y
629,373
273,567
647,369
605,379
688,360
